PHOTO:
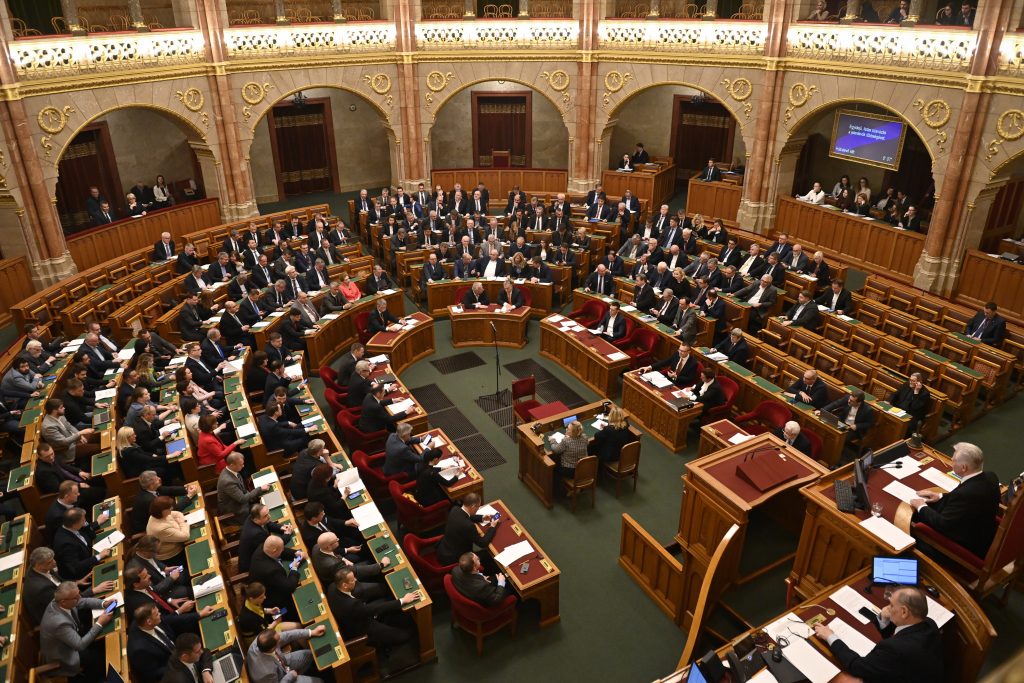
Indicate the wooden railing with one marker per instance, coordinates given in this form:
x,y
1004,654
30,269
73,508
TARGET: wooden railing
x,y
501,181
984,278
93,247
658,573
15,285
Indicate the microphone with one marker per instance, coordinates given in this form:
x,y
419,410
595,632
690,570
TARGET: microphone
x,y
494,327
753,454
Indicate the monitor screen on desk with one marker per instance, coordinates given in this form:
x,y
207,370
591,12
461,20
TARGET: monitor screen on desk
x,y
860,483
566,421
896,570
696,675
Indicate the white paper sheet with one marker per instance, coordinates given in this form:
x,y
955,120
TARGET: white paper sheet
x,y
940,479
381,358
438,442
628,308
555,318
556,437
105,393
618,355
211,585
486,511
888,533
12,560
245,430
739,438
657,379
108,542
272,499
400,406
910,466
937,613
851,601
293,371
800,653
513,553
717,357
853,638
118,599
367,516
195,517
901,491
350,479
447,463
125,354
332,316
264,478
170,428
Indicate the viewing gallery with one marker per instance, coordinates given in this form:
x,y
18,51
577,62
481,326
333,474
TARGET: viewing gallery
x,y
612,340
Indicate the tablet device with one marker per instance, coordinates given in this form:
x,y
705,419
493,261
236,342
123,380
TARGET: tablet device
x,y
566,421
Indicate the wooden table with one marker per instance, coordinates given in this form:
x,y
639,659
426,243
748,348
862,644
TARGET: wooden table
x,y
718,199
652,409
470,482
406,346
833,544
715,436
540,582
536,461
400,392
441,294
667,341
585,355
472,327
656,185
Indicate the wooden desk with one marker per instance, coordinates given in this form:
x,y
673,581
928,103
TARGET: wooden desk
x,y
656,186
876,244
717,497
667,341
651,408
965,639
473,327
441,295
470,482
713,200
541,580
502,180
336,335
715,436
584,355
833,544
406,346
399,392
536,461
985,278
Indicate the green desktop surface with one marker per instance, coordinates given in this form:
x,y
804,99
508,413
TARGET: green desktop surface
x,y
8,597
29,415
402,581
19,477
310,604
107,571
375,530
103,463
215,632
199,556
327,649
384,546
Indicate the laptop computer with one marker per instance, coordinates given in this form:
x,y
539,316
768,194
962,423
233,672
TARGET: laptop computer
x,y
225,669
832,419
567,420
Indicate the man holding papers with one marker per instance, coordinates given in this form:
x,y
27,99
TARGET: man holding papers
x,y
460,534
613,325
967,514
911,649
680,367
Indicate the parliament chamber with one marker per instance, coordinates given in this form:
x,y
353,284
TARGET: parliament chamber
x,y
625,340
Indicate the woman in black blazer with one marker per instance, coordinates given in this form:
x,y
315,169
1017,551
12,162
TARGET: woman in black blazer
x,y
708,391
609,441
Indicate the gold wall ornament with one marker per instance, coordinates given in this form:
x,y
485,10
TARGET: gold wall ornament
x,y
614,81
379,83
557,79
799,94
739,89
935,113
1009,127
436,81
53,120
193,99
3,164
253,93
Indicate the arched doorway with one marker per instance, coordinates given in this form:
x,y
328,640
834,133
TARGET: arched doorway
x,y
116,150
502,116
319,139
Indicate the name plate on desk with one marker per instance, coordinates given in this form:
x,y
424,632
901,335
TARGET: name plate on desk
x,y
764,473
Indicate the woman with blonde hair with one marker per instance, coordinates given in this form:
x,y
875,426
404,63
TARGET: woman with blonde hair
x,y
610,439
680,286
134,458
697,225
571,448
147,377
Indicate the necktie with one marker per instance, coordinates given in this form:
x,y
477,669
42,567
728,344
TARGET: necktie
x,y
68,474
164,639
664,307
107,217
167,248
600,283
160,602
977,332
679,365
74,618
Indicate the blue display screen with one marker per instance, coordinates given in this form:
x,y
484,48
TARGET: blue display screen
x,y
867,139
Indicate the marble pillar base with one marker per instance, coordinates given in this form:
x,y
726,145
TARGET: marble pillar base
x,y
936,274
50,271
755,216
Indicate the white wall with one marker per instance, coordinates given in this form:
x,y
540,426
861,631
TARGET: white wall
x,y
147,144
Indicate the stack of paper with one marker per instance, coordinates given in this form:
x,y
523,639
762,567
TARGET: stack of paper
x,y
196,517
888,533
513,553
246,430
293,371
800,653
211,585
400,406
275,314
118,599
125,354
657,379
852,601
853,638
555,318
377,360
940,479
108,542
457,309
618,355
12,560
718,357
556,437
272,499
332,316
234,366
448,463
349,479
367,516
105,393
264,478
901,491
739,438
486,511
170,428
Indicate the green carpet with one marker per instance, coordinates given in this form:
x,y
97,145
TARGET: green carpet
x,y
610,630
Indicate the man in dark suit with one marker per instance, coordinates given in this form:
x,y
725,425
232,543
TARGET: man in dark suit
x,y
432,271
150,644
379,281
72,544
639,155
52,476
399,455
836,299
41,581
600,281
280,434
593,195
476,297
190,661
375,415
853,412
988,326
171,583
791,434
967,514
431,485
460,533
613,324
761,295
782,247
565,257
381,320
348,363
191,317
735,347
804,313
809,389
163,250
258,528
106,214
708,392
279,581
667,308
491,265
730,255
510,295
471,582
381,621
911,650
913,397
680,367
714,307
774,269
643,294
711,172
359,384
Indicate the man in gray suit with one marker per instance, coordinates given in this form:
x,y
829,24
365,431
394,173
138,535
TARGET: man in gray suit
x,y
59,637
232,495
686,320
267,664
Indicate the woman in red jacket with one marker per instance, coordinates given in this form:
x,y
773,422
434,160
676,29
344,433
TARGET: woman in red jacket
x,y
212,450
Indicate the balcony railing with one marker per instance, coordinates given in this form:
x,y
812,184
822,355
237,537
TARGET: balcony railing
x,y
926,48
1011,55
550,33
684,36
283,41
65,56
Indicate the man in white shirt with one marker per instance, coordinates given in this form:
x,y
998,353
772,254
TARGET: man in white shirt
x,y
491,269
815,196
752,260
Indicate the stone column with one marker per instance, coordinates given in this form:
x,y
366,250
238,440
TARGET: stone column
x,y
914,14
69,8
524,9
939,266
710,10
410,142
585,139
470,12
135,12
655,11
281,16
852,12
339,17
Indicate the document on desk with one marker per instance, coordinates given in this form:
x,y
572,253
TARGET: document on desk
x,y
400,406
888,533
940,479
937,613
800,653
901,491
486,511
272,499
618,355
211,585
118,599
908,465
12,560
657,379
264,478
196,517
105,393
852,601
378,359
293,371
350,479
245,430
738,438
367,516
513,553
555,318
717,357
108,542
853,638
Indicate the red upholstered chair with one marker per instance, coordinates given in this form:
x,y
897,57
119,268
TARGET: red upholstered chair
x,y
459,293
765,417
478,620
362,325
336,402
522,388
349,423
626,339
412,516
330,378
590,314
371,471
730,389
526,294
640,347
422,556
1001,566
815,442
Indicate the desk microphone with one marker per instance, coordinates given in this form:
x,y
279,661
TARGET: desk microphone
x,y
753,454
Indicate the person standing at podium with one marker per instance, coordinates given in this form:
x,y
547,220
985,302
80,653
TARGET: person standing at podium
x,y
911,646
